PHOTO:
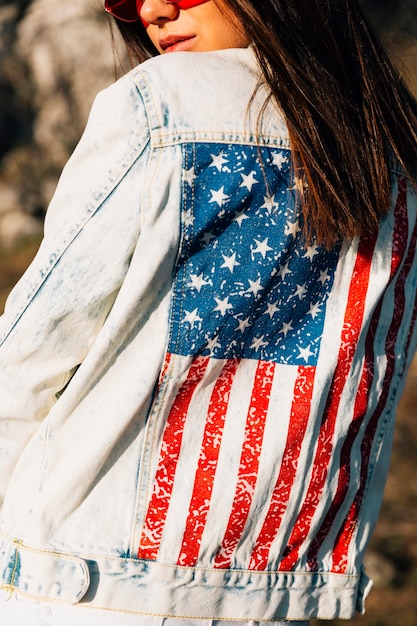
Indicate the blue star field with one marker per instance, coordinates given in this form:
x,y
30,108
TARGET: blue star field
x,y
246,285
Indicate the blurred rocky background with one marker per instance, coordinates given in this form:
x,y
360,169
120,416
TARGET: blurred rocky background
x,y
54,58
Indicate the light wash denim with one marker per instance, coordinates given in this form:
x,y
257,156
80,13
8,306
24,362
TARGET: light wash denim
x,y
196,410
16,610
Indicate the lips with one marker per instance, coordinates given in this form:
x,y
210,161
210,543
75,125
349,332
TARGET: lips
x,y
173,43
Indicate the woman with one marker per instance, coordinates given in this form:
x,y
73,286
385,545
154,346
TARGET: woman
x,y
200,369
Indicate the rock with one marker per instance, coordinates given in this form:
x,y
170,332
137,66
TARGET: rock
x,y
54,58
68,51
14,223
379,568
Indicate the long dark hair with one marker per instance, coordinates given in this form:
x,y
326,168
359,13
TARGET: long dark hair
x,y
348,111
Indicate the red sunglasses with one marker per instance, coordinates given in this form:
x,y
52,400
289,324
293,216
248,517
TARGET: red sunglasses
x,y
129,10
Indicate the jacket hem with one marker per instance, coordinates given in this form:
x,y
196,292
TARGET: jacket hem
x,y
152,588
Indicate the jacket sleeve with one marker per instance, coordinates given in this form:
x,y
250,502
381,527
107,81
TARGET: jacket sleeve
x,y
56,310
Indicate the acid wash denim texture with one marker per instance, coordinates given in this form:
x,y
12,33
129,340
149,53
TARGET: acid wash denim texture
x,y
196,409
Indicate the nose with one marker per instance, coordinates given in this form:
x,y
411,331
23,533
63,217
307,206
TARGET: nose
x,y
156,11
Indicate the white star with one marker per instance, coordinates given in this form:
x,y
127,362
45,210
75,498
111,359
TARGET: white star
x,y
324,276
283,270
269,204
192,317
305,353
286,327
197,281
271,309
279,159
219,196
240,216
258,342
254,286
212,344
218,161
300,291
248,180
188,218
223,305
208,236
261,247
292,228
311,251
243,324
314,310
189,176
230,262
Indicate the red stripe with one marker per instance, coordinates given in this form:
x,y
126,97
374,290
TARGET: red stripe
x,y
168,459
249,463
162,373
207,466
341,549
348,341
300,412
359,413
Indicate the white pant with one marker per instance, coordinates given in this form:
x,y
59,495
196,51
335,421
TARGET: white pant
x,y
18,611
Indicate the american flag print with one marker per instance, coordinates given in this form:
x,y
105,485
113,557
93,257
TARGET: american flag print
x,y
246,287
244,455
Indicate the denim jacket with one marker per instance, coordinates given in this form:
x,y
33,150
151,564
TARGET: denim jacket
x,y
196,409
